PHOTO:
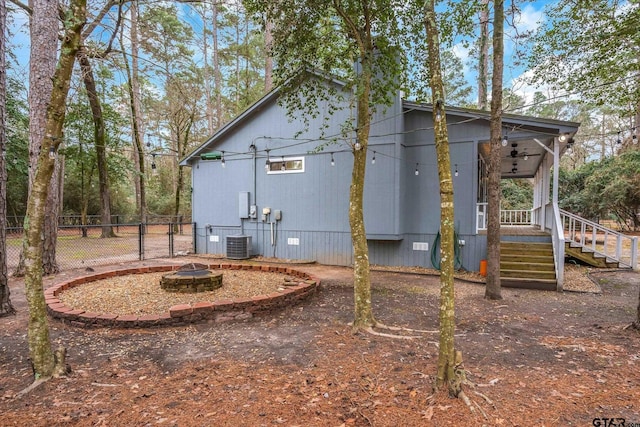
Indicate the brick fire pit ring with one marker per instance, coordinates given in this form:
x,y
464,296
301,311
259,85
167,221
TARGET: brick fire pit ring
x,y
225,310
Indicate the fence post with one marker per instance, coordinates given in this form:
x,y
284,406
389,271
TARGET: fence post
x,y
194,238
141,241
171,225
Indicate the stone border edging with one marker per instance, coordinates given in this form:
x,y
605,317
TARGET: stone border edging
x,y
182,314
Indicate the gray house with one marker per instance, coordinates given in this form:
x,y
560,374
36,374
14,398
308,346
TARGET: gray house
x,y
263,184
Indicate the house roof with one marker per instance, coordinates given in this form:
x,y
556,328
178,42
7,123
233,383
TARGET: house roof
x,y
528,137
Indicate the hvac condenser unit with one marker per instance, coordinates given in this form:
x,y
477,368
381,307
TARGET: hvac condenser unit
x,y
238,247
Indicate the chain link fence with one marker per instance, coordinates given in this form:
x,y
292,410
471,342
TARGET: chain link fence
x,y
80,246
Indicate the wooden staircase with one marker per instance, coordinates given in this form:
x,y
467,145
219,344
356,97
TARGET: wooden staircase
x,y
588,256
527,265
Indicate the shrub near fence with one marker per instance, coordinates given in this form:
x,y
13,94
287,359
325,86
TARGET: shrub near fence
x,y
81,245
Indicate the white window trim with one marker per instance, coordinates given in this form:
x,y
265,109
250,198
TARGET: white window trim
x,y
285,159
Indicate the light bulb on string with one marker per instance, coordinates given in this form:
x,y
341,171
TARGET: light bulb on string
x,y
456,172
417,172
357,146
283,167
52,152
505,140
333,162
222,161
526,156
373,160
267,164
154,168
438,112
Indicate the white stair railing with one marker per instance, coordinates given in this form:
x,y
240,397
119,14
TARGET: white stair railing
x,y
608,243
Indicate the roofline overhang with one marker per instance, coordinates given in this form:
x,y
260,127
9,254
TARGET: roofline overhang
x,y
251,110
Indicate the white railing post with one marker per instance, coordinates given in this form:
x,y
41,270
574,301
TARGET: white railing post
x,y
557,235
625,247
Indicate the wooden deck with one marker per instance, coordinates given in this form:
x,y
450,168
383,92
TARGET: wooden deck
x,y
519,230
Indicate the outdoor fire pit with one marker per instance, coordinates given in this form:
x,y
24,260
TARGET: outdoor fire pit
x,y
191,278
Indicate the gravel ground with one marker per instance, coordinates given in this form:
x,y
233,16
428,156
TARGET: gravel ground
x,y
141,293
576,279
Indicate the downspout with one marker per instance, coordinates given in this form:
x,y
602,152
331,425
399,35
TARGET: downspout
x,y
254,152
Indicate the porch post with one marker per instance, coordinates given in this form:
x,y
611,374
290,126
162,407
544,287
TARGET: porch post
x,y
556,169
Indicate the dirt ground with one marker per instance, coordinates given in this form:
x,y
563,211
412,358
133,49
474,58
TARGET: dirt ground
x,y
534,358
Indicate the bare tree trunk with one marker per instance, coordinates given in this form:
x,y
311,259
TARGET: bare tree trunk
x,y
450,373
133,87
136,109
636,324
42,63
493,289
182,151
206,74
40,352
268,64
6,307
361,268
100,143
483,55
217,74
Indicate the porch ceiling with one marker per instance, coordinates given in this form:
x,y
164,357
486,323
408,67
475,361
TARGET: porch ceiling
x,y
522,156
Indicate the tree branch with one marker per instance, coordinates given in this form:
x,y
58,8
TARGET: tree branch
x,y
22,6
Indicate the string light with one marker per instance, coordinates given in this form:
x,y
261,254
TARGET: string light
x,y
417,171
438,113
526,156
373,160
357,146
283,167
456,172
222,162
333,162
267,164
52,152
505,140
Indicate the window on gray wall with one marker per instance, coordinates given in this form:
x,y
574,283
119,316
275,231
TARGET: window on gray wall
x,y
286,165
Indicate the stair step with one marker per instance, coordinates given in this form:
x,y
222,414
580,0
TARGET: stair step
x,y
529,274
526,258
526,283
587,255
526,266
508,243
514,250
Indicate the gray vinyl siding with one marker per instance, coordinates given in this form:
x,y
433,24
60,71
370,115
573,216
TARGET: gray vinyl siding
x,y
400,208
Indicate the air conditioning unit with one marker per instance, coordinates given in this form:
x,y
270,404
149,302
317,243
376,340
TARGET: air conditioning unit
x,y
238,247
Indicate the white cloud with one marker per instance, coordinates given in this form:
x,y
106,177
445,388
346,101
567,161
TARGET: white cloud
x,y
529,19
463,52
